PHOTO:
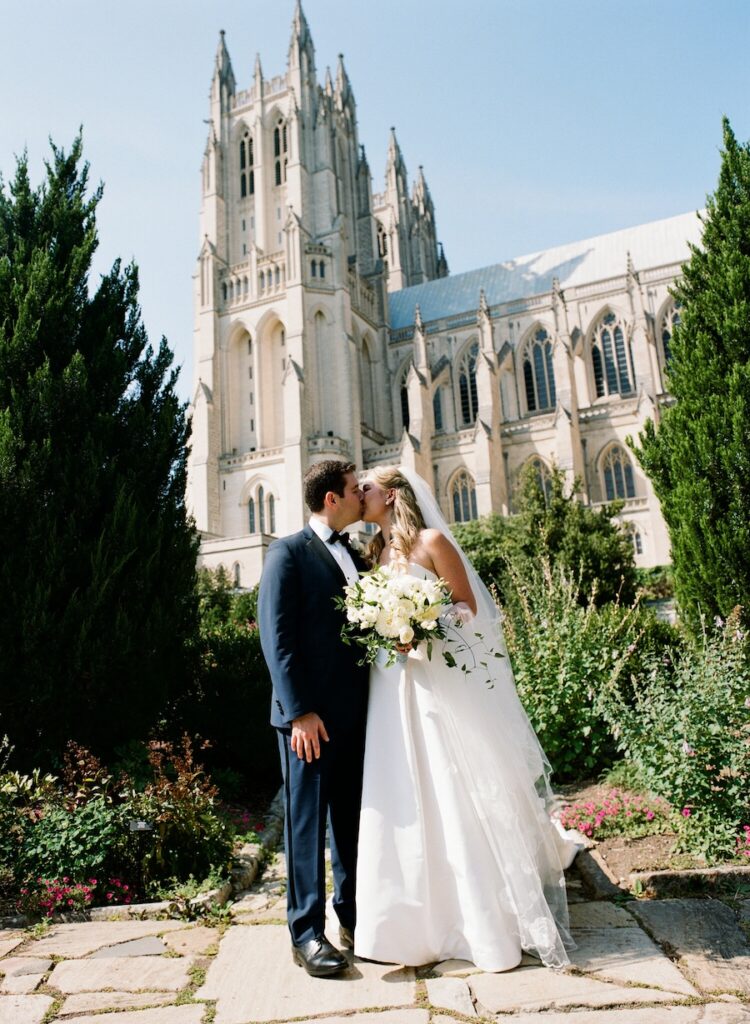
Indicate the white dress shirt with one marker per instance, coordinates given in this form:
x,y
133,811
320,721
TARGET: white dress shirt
x,y
337,549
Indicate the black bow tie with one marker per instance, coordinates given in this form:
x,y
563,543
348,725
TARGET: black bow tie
x,y
336,536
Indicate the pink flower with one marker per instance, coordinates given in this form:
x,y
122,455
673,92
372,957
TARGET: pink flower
x,y
650,815
686,812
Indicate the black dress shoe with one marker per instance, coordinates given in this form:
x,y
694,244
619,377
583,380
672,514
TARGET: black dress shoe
x,y
319,957
346,937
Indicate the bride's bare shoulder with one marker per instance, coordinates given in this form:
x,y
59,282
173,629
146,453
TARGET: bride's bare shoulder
x,y
432,538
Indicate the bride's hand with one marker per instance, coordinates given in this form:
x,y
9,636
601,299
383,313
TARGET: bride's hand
x,y
404,648
459,614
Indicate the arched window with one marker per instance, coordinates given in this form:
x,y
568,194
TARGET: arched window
x,y
404,394
382,241
467,385
271,514
236,574
437,409
314,268
637,539
367,384
251,515
538,373
668,323
247,163
322,269
463,498
617,472
610,357
262,509
542,476
280,150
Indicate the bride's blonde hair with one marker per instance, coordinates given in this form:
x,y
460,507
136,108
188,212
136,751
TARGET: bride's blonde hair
x,y
406,517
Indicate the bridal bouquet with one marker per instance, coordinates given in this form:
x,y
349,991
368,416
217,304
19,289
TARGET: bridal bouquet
x,y
386,610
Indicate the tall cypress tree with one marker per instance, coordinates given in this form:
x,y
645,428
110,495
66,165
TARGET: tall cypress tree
x,y
98,563
699,456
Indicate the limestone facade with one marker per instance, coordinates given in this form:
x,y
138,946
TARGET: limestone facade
x,y
326,325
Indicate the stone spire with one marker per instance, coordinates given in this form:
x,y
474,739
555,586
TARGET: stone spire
x,y
442,264
344,93
223,74
395,160
301,41
421,194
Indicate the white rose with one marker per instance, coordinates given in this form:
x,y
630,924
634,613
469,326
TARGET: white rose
x,y
406,634
429,624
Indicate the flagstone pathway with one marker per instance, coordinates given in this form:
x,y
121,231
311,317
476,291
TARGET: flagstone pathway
x,y
241,972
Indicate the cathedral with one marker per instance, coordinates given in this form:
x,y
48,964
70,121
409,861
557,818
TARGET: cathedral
x,y
327,326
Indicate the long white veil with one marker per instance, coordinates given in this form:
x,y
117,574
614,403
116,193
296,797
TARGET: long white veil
x,y
493,745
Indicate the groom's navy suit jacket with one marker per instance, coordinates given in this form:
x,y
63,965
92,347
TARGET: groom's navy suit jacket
x,y
300,632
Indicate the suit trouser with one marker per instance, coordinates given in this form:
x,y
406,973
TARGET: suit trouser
x,y
328,789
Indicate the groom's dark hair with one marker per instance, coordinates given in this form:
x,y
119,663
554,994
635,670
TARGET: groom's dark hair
x,y
323,477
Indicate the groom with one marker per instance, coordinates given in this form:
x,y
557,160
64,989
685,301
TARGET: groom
x,y
318,707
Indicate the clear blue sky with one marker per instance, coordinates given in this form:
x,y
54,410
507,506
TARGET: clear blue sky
x,y
537,122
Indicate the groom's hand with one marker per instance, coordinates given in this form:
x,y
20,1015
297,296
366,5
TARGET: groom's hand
x,y
307,732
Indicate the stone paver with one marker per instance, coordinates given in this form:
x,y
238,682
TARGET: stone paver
x,y
73,940
451,994
22,974
188,1014
87,1002
600,915
192,941
128,974
10,938
455,968
705,936
149,945
538,988
282,990
24,1009
387,1017
713,1014
627,955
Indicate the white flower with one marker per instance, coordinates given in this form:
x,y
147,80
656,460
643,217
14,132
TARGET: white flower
x,y
406,634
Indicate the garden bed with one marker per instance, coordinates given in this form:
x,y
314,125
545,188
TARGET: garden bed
x,y
646,865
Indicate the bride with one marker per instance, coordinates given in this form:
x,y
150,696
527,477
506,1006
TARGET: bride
x,y
458,857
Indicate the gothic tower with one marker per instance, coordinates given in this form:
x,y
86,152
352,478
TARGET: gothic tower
x,y
290,295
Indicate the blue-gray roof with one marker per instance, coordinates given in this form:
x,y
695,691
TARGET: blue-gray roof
x,y
594,259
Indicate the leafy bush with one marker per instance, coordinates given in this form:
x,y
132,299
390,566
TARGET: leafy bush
x,y
66,842
76,842
551,524
230,698
684,720
564,652
190,836
656,583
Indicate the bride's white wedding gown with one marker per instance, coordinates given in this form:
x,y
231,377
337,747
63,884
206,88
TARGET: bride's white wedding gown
x,y
457,855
